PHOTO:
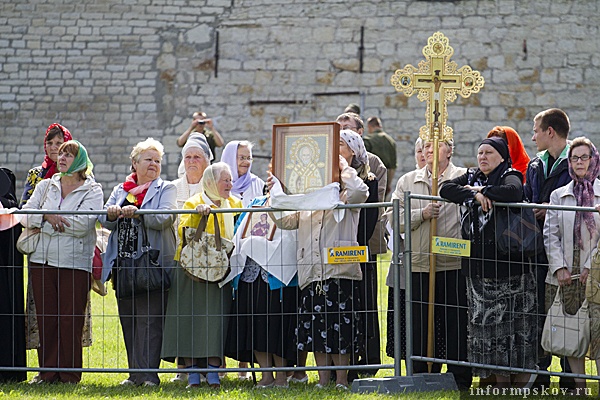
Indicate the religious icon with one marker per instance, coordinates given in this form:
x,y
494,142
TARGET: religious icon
x,y
405,80
306,156
259,224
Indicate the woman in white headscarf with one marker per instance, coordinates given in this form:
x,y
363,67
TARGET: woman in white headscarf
x,y
195,327
196,156
247,186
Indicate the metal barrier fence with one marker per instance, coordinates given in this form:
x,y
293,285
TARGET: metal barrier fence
x,y
108,354
534,270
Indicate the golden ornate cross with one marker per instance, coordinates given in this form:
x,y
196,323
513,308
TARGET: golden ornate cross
x,y
437,81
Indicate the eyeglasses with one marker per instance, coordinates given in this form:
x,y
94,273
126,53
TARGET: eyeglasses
x,y
244,158
584,157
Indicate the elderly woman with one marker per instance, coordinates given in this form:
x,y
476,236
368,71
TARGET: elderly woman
x,y
420,160
450,312
500,288
246,186
195,158
328,322
142,315
61,266
195,327
570,237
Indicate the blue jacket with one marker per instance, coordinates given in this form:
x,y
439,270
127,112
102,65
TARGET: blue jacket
x,y
161,195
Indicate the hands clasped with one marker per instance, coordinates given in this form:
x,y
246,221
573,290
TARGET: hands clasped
x,y
114,212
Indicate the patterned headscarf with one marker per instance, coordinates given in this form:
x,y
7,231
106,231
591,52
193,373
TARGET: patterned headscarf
x,y
229,157
356,144
81,162
583,189
48,164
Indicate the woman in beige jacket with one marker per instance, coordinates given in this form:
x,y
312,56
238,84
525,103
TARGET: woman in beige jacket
x,y
328,324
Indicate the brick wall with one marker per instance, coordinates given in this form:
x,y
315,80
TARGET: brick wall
x,y
115,72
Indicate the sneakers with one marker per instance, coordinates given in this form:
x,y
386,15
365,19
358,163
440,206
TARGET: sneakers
x,y
180,377
149,384
127,382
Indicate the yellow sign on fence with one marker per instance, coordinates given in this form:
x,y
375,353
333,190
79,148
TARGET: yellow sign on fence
x,y
348,254
450,246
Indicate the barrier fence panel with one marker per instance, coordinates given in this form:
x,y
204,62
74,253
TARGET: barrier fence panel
x,y
262,313
498,319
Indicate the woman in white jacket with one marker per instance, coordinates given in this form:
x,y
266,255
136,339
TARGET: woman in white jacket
x,y
571,236
61,265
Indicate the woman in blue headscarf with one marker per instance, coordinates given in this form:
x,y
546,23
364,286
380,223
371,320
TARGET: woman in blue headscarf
x,y
246,186
61,265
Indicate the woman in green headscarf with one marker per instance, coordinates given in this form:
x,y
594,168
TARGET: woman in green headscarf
x,y
61,265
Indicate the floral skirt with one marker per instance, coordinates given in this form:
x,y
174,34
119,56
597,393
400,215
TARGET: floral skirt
x,y
329,319
502,321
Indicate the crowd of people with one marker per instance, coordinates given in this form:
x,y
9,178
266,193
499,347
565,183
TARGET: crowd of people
x,y
280,300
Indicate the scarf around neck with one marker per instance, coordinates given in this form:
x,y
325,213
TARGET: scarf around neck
x,y
138,191
583,189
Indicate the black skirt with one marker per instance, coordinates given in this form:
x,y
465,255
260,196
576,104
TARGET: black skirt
x,y
329,318
262,320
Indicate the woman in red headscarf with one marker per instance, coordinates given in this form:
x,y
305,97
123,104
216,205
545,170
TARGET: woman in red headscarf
x,y
56,135
517,152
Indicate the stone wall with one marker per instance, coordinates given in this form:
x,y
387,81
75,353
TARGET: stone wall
x,y
117,71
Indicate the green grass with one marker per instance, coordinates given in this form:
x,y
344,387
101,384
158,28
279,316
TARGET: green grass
x,y
108,351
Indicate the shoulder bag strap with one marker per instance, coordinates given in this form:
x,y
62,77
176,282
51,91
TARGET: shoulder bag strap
x,y
43,200
201,228
217,233
145,242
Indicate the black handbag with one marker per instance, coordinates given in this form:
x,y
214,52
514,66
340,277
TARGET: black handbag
x,y
140,275
517,232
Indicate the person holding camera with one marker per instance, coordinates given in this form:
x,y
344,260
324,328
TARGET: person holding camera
x,y
202,124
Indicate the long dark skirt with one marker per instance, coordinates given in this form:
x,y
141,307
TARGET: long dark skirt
x,y
262,320
12,312
502,323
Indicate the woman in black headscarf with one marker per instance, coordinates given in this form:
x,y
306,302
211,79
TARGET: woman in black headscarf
x,y
500,288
